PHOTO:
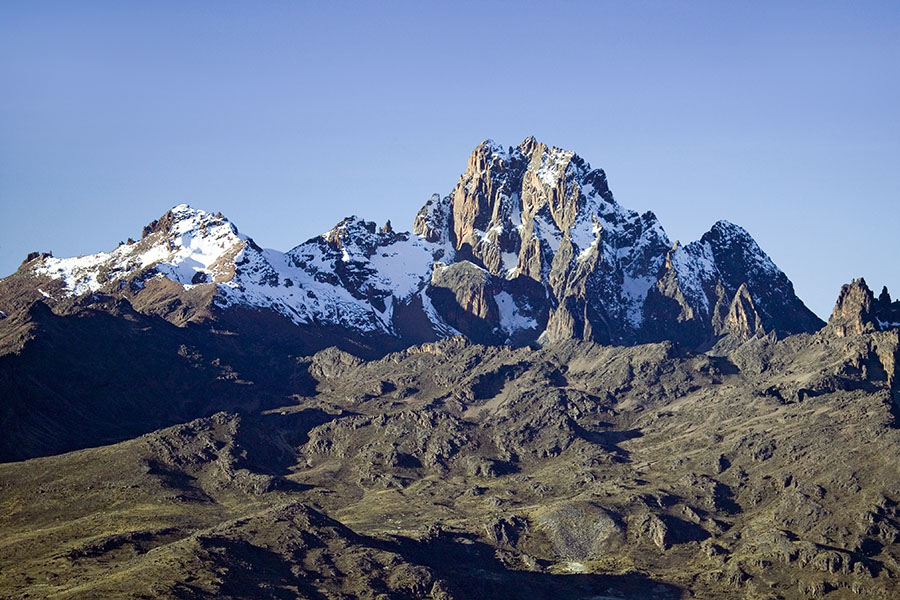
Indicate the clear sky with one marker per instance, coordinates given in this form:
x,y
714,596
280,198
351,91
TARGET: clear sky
x,y
783,117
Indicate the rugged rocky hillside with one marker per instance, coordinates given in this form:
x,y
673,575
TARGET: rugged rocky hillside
x,y
529,247
455,470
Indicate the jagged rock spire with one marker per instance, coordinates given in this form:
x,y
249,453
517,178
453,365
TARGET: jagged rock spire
x,y
857,310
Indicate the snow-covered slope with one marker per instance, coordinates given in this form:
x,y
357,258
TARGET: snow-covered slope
x,y
351,276
529,245
187,246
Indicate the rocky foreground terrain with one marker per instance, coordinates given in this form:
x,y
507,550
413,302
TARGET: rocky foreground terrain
x,y
532,395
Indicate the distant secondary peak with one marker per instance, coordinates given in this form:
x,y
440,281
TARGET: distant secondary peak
x,y
733,244
727,229
183,219
360,237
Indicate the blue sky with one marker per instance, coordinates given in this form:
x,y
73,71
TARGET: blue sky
x,y
781,117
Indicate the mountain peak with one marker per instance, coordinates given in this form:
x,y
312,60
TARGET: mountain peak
x,y
183,219
359,237
184,208
491,147
726,230
185,245
733,244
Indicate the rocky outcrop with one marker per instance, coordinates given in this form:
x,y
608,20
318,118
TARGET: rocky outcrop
x,y
463,295
852,313
857,310
742,319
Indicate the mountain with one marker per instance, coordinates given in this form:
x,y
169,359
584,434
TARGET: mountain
x,y
532,395
530,247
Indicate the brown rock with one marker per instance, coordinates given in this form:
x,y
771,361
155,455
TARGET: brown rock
x,y
852,314
742,319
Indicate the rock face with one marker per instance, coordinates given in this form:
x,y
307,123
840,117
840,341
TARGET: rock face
x,y
466,296
530,246
858,311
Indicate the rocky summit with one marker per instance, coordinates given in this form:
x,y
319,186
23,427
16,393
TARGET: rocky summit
x,y
535,393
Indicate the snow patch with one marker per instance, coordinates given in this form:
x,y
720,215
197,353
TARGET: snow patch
x,y
548,231
586,242
402,268
515,212
509,262
511,320
695,265
553,165
634,292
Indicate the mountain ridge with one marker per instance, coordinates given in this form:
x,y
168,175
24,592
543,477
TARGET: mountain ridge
x,y
552,256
